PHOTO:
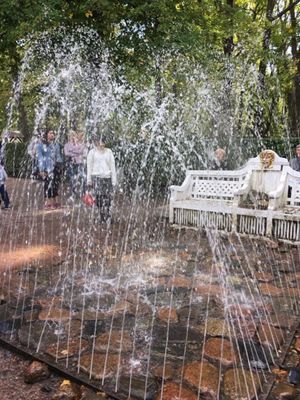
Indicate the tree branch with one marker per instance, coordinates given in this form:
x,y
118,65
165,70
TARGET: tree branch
x,y
284,11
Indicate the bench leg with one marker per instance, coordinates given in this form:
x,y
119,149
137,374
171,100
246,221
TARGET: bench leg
x,y
234,222
171,215
269,225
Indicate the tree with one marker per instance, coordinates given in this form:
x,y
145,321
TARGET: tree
x,y
294,96
147,39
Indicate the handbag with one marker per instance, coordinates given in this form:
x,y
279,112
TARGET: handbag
x,y
88,200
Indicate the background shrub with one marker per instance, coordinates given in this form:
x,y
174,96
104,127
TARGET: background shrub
x,y
17,161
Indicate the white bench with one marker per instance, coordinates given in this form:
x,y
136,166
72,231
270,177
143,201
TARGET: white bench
x,y
218,199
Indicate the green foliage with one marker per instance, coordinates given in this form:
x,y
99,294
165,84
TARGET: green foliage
x,y
5,89
17,162
140,32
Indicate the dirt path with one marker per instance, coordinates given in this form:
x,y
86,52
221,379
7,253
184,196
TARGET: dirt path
x,y
12,385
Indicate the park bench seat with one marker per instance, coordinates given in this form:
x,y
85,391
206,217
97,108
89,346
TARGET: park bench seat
x,y
262,198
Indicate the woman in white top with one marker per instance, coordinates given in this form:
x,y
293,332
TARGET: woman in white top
x,y
101,175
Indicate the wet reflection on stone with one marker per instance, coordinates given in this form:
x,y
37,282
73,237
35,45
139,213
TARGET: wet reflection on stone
x,y
240,384
152,326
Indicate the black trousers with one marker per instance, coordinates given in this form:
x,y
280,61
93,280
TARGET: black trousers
x,y
52,182
103,190
4,196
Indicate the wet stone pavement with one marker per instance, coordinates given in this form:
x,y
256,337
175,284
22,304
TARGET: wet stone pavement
x,y
152,312
181,325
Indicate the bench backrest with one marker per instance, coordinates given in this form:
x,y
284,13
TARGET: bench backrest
x,y
215,184
263,172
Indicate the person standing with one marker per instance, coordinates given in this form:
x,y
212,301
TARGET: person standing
x,y
101,176
295,162
3,191
50,168
220,161
75,151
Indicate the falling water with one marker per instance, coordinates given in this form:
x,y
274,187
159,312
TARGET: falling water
x,y
139,308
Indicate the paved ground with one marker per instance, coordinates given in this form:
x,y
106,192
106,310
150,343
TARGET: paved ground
x,y
30,237
36,241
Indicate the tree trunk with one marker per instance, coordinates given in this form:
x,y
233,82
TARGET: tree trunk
x,y
20,108
23,120
228,47
228,44
266,41
158,86
294,97
261,126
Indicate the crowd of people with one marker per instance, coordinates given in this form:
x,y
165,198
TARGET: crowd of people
x,y
88,170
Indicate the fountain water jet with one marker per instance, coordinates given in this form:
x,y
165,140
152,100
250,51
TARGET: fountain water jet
x,y
138,308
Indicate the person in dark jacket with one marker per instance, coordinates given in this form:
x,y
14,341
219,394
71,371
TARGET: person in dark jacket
x,y
50,168
220,161
295,162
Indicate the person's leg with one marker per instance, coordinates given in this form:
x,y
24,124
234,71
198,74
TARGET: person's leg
x,y
6,199
82,174
102,208
101,198
35,168
47,192
106,201
50,194
97,193
55,186
106,208
68,174
102,201
73,178
2,193
76,180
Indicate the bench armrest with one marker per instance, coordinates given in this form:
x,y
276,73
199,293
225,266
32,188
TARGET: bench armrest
x,y
292,173
180,192
177,193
